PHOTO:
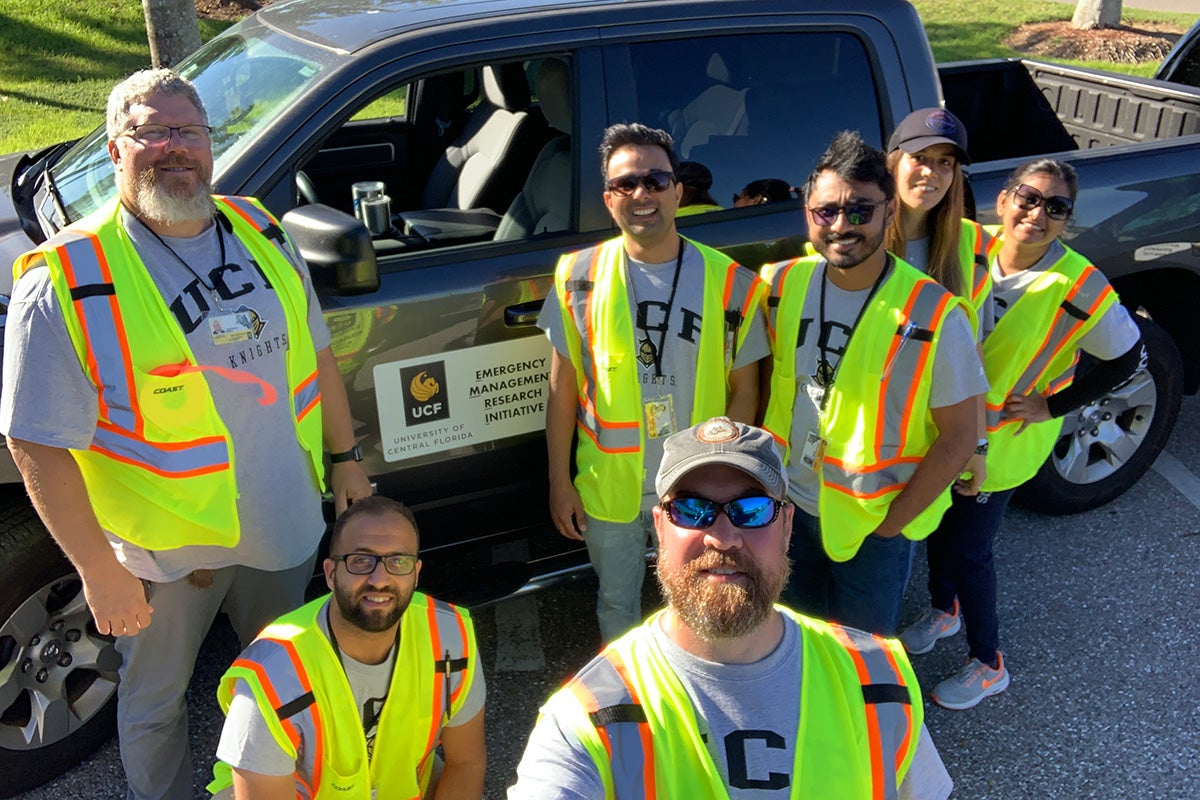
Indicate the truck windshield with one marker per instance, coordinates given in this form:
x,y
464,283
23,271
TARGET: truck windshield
x,y
245,77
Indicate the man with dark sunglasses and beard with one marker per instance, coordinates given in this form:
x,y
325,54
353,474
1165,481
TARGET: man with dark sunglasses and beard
x,y
875,395
168,391
351,694
651,332
724,693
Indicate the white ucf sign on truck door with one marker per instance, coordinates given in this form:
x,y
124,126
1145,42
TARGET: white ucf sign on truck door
x,y
464,397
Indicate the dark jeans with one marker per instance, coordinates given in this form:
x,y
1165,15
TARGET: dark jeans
x,y
864,592
961,565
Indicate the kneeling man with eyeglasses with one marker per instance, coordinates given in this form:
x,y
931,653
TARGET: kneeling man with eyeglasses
x,y
349,695
724,693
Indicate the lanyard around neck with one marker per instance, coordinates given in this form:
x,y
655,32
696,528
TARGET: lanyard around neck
x,y
662,338
827,375
179,258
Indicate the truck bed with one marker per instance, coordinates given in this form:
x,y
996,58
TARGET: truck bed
x,y
1022,108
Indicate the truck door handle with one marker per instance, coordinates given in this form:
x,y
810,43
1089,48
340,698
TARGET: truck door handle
x,y
523,313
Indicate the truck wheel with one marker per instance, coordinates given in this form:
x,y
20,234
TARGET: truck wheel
x,y
58,676
1107,445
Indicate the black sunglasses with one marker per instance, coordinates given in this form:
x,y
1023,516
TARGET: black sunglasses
x,y
365,563
654,181
856,213
1057,207
699,513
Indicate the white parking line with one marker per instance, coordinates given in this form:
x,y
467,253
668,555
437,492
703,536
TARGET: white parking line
x,y
1178,476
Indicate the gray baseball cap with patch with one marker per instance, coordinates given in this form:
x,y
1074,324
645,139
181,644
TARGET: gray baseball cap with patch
x,y
720,440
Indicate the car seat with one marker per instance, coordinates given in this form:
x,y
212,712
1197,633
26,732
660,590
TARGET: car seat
x,y
544,204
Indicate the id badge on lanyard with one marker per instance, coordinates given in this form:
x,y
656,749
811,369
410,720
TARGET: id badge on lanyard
x,y
814,446
660,416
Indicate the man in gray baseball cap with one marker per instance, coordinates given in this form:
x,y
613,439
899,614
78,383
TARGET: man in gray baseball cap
x,y
705,696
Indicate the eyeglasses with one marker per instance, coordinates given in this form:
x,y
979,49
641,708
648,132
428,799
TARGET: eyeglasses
x,y
154,135
1028,198
365,563
699,513
856,213
654,181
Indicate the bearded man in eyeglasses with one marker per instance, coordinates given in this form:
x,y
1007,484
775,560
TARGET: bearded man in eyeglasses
x,y
724,693
351,694
875,387
168,392
651,333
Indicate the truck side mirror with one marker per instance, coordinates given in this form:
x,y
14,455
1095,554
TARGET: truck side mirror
x,y
337,248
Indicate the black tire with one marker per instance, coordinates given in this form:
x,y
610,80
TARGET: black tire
x,y
58,676
1106,446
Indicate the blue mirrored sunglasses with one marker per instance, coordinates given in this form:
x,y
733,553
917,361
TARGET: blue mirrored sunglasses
x,y
699,513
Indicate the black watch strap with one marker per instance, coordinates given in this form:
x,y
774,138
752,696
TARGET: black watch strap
x,y
353,454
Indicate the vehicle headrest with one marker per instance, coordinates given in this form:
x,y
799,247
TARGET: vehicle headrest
x,y
505,86
553,85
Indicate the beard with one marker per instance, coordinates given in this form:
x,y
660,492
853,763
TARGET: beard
x,y
722,610
167,204
868,247
370,620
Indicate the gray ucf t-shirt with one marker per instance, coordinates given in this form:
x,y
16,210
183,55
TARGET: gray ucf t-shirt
x,y
48,399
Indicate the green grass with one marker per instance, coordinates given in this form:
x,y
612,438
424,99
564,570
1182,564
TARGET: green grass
x,y
959,30
61,57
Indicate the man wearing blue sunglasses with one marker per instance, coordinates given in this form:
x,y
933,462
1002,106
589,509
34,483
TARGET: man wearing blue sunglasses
x,y
705,698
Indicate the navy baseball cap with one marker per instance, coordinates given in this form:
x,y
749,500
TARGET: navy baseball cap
x,y
929,126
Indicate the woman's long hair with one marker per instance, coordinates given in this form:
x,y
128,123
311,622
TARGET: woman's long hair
x,y
943,226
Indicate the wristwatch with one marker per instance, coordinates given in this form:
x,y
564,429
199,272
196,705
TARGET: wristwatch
x,y
353,454
981,448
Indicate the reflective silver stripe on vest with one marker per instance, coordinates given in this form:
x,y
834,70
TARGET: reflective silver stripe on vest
x,y
286,680
449,645
306,395
580,290
95,311
622,721
191,457
124,439
1076,308
896,410
869,481
884,691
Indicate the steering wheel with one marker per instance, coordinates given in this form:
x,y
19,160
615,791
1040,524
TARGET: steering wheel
x,y
306,191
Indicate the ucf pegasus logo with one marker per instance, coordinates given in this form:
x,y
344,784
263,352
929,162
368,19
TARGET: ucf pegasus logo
x,y
425,396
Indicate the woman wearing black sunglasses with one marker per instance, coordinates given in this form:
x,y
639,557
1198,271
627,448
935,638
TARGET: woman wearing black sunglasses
x,y
1050,304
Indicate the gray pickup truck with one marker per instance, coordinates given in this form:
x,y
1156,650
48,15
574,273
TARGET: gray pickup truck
x,y
481,120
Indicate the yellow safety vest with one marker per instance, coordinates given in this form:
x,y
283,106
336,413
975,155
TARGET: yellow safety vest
x,y
1035,347
972,254
593,294
860,718
877,425
159,471
307,702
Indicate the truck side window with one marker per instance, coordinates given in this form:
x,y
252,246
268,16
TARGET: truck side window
x,y
477,154
755,107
